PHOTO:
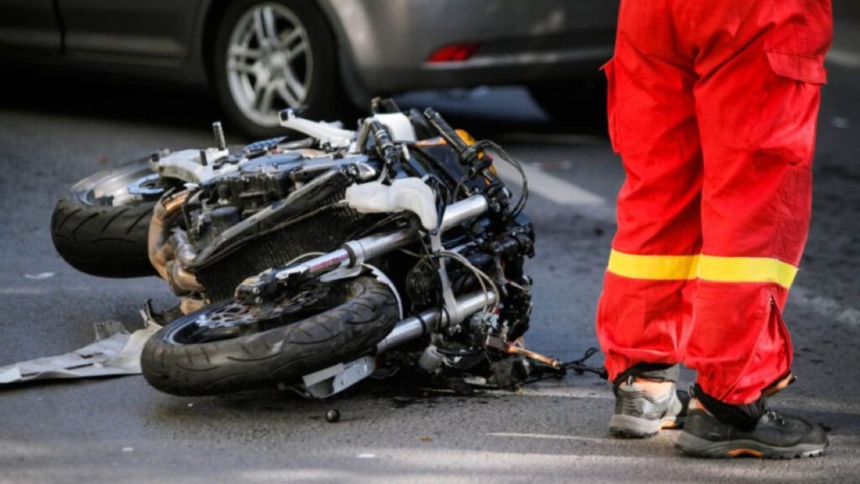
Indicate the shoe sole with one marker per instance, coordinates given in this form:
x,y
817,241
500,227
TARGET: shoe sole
x,y
699,447
640,428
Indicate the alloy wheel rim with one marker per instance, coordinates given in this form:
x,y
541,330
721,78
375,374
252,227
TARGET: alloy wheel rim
x,y
269,63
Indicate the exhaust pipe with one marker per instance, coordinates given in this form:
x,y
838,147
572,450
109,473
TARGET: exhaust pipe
x,y
417,326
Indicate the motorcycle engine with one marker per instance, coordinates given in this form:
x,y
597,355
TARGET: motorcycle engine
x,y
227,199
222,202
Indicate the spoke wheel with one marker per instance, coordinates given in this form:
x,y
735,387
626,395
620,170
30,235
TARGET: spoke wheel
x,y
269,63
273,55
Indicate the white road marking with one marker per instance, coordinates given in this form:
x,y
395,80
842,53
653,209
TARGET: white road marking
x,y
843,58
543,436
549,186
562,392
39,291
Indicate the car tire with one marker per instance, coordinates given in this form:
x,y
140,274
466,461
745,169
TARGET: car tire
x,y
271,55
578,103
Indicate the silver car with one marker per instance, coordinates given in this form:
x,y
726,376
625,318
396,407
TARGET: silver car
x,y
324,56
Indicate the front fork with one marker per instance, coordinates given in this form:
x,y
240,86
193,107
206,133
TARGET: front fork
x,y
270,283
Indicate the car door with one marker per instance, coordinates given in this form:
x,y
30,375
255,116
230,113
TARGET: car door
x,y
145,31
27,25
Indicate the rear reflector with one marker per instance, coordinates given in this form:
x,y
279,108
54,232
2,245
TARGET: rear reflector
x,y
453,53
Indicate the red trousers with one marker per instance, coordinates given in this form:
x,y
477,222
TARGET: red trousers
x,y
713,107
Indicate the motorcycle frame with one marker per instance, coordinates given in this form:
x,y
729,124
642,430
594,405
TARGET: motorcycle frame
x,y
195,166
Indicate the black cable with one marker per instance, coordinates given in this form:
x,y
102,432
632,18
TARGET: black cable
x,y
580,367
520,205
545,372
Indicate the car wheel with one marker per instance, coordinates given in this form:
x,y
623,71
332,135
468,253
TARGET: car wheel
x,y
271,55
579,103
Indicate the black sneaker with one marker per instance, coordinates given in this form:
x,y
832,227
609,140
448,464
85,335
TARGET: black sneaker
x,y
640,414
775,436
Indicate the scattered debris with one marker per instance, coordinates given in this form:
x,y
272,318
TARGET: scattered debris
x,y
114,352
39,276
840,123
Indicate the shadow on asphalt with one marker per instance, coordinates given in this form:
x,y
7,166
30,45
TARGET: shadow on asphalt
x,y
484,112
126,101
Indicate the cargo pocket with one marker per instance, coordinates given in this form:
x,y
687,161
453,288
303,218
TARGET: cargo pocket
x,y
611,111
785,118
798,67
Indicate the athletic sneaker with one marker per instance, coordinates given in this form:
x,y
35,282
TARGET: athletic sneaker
x,y
643,407
775,436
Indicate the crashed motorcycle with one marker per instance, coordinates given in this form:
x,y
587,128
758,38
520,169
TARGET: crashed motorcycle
x,y
315,260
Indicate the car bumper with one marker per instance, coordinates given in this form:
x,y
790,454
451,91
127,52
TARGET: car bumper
x,y
387,44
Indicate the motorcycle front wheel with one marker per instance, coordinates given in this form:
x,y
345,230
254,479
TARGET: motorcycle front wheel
x,y
230,346
101,225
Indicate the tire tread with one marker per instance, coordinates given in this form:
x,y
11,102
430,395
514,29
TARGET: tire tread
x,y
103,241
339,334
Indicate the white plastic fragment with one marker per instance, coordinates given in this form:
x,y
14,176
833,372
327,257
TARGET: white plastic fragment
x,y
114,352
840,123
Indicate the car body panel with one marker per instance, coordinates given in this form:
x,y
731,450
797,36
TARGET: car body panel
x,y
147,29
96,37
30,25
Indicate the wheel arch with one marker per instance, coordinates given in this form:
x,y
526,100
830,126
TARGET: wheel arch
x,y
355,89
213,12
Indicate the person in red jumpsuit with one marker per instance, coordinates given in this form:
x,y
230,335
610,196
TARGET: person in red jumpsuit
x,y
712,108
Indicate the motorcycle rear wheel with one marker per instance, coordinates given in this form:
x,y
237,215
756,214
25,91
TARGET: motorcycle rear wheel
x,y
100,228
340,326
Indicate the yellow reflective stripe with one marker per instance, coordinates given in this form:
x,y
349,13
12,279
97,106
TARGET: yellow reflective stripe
x,y
705,267
654,267
746,269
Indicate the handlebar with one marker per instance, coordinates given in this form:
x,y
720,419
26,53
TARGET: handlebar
x,y
446,131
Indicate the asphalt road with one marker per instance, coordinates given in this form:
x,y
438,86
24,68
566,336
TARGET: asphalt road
x,y
122,430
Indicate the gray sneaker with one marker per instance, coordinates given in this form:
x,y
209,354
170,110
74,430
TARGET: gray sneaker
x,y
640,414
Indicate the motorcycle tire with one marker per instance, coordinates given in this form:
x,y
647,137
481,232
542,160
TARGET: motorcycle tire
x,y
356,314
100,228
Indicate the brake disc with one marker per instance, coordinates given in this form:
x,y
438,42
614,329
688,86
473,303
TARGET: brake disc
x,y
232,318
147,188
